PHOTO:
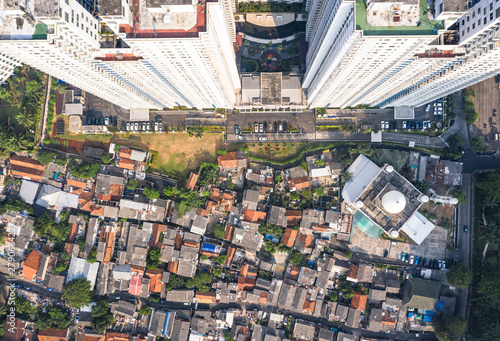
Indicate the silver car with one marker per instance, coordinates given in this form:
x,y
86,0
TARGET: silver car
x,y
261,128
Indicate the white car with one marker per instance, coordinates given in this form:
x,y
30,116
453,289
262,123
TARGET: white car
x,y
128,126
106,121
156,126
425,125
404,124
443,265
148,126
136,126
160,126
387,125
261,128
262,138
382,125
144,126
412,258
239,137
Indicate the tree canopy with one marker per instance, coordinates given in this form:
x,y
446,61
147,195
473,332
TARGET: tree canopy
x,y
132,184
145,310
153,259
77,293
100,316
451,328
219,231
460,276
151,193
83,170
54,317
459,195
45,157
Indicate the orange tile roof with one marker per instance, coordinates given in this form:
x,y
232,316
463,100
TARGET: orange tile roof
x,y
155,283
228,232
52,334
254,216
110,244
72,232
227,201
25,161
293,217
114,336
125,152
309,306
299,183
31,264
289,237
353,271
359,301
192,181
115,191
172,267
97,210
228,161
23,172
294,272
215,194
126,164
191,243
205,297
263,298
230,256
307,239
158,229
76,183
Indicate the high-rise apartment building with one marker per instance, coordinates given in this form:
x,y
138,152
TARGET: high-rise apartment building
x,y
145,54
381,53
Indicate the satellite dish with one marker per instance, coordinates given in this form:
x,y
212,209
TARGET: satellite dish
x,y
389,169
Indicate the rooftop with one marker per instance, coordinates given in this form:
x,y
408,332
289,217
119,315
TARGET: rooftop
x,y
384,18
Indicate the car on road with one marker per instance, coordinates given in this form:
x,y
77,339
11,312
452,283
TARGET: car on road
x,y
404,124
261,128
236,129
403,256
239,137
255,127
106,121
466,229
262,138
427,107
412,259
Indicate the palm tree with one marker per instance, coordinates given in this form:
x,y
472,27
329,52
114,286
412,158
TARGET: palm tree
x,y
346,177
25,119
16,142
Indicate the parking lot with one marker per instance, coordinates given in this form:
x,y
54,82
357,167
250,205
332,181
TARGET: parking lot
x,y
271,122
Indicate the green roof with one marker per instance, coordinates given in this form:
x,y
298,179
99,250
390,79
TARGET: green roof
x,y
421,293
426,25
41,31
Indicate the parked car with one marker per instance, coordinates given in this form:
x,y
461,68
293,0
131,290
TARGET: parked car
x,y
115,121
255,127
265,127
465,229
239,137
382,125
424,262
416,260
136,126
236,129
156,126
275,126
128,126
106,121
285,126
412,259
403,256
404,124
261,128
386,253
443,265
440,263
160,126
262,138
425,125
280,126
148,127
144,126
427,107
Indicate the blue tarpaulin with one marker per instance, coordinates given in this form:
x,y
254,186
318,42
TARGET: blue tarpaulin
x,y
410,315
429,312
440,306
427,318
209,247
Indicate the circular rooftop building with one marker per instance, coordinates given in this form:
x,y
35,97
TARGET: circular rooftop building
x,y
394,202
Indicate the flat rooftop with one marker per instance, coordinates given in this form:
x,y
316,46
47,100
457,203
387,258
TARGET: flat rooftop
x,y
270,88
386,18
372,196
110,7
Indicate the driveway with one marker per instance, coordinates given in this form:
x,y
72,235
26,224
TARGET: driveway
x,y
304,121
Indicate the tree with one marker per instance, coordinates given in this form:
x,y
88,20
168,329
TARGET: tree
x,y
222,152
219,231
334,296
145,310
347,291
320,191
171,191
132,184
348,254
423,186
60,267
294,196
43,223
306,194
221,259
459,195
24,309
478,145
296,258
100,317
451,328
460,276
84,170
106,158
25,119
346,177
206,193
153,259
92,257
488,286
175,282
61,161
151,193
77,293
217,272
200,280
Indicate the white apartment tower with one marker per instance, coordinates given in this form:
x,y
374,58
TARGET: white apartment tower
x,y
381,53
141,54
